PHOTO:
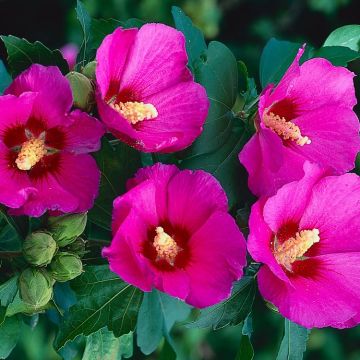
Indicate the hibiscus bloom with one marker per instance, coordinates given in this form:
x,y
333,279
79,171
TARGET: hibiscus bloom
x,y
44,163
308,115
307,236
172,232
70,52
146,95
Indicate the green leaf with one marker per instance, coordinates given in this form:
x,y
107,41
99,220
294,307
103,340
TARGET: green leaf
x,y
275,59
5,78
348,36
10,239
158,313
117,164
246,350
232,311
337,55
293,343
9,334
22,54
8,291
85,22
103,300
103,345
195,42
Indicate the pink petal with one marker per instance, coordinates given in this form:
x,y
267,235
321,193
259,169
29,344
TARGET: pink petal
x,y
334,210
331,129
83,133
192,211
54,93
111,57
215,263
123,253
157,60
175,283
70,52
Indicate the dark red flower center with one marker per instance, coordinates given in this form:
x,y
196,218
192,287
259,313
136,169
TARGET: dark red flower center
x,y
167,247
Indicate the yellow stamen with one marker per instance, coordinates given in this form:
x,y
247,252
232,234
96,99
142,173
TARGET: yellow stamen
x,y
295,247
286,129
166,247
134,111
31,152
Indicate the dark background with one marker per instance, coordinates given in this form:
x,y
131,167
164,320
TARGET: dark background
x,y
245,26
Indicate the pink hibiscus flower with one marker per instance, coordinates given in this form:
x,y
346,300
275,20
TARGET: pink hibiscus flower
x,y
146,95
70,52
44,163
307,236
172,232
308,115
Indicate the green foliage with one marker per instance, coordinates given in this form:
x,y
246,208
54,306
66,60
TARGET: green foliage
x,y
85,22
117,163
195,42
8,291
103,345
22,54
10,239
337,55
246,350
232,311
103,300
9,334
348,36
5,78
158,313
294,341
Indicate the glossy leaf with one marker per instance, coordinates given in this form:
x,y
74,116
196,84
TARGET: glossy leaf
x,y
158,313
103,345
294,341
246,350
337,55
117,164
85,22
348,36
232,311
5,78
103,300
8,291
195,42
9,334
22,54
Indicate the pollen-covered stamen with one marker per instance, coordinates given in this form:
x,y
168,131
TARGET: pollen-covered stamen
x,y
134,111
165,246
295,247
31,152
286,129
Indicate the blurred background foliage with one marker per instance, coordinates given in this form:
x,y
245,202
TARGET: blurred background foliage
x,y
245,26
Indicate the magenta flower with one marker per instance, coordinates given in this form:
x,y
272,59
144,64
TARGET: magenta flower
x,y
70,52
307,236
44,163
308,115
146,95
172,232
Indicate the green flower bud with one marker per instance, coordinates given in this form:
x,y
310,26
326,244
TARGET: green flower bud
x,y
66,229
78,247
89,70
36,287
65,267
39,248
82,90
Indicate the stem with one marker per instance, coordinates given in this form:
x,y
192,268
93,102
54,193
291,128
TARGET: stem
x,y
10,254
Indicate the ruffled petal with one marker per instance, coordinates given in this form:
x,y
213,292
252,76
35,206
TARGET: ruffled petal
x,y
111,58
192,197
331,129
157,61
334,210
83,133
215,263
175,283
54,92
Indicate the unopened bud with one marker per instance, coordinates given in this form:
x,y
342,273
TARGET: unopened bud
x,y
39,249
66,266
89,70
66,229
78,247
36,287
82,90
